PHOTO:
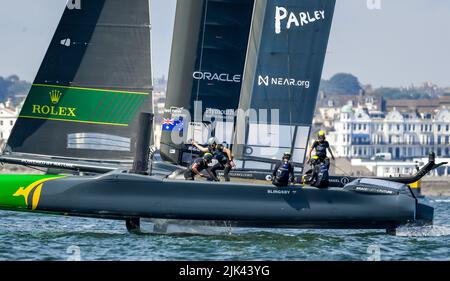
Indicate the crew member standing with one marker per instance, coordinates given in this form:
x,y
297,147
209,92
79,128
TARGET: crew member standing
x,y
321,146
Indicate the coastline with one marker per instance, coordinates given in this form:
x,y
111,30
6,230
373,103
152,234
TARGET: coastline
x,y
436,187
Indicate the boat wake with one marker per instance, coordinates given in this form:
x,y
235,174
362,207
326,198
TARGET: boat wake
x,y
442,201
161,226
424,231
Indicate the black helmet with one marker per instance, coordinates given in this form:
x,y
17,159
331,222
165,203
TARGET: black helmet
x,y
287,155
208,157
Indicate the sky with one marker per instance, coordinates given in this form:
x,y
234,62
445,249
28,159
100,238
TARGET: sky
x,y
405,42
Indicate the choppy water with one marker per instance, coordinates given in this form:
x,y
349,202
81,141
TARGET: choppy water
x,y
26,236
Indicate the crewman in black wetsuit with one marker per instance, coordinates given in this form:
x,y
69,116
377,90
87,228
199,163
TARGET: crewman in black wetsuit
x,y
198,166
222,154
318,176
321,146
283,173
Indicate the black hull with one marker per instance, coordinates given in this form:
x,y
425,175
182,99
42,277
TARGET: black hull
x,y
125,196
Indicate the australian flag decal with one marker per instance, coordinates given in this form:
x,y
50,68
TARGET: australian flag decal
x,y
170,124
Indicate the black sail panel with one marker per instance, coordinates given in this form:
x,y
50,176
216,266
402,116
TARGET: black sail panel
x,y
287,48
94,80
208,57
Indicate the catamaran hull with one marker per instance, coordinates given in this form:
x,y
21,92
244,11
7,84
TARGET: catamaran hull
x,y
126,196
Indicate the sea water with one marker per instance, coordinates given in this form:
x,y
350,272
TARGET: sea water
x,y
34,237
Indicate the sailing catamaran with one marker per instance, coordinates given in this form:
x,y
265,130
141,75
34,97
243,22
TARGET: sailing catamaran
x,y
88,112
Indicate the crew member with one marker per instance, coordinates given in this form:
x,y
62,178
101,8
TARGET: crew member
x,y
321,146
222,154
284,171
198,166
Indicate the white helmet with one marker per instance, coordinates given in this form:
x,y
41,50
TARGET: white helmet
x,y
212,141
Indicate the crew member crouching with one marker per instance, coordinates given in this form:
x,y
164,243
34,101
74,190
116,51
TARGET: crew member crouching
x,y
198,166
283,173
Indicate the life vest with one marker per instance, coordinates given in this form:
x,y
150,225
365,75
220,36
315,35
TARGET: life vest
x,y
219,154
321,149
283,173
201,164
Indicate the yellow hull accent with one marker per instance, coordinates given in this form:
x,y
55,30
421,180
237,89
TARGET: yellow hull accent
x,y
37,187
36,197
416,185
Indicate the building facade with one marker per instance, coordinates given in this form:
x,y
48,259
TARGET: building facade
x,y
359,133
8,117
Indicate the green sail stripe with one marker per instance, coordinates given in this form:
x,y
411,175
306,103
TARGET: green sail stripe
x,y
126,112
99,107
113,114
135,106
122,109
109,103
77,105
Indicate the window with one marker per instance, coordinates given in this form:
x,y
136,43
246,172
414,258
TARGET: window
x,y
12,123
439,128
1,123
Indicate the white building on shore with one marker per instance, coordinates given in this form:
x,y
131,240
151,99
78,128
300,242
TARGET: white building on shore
x,y
401,168
159,102
8,117
359,133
